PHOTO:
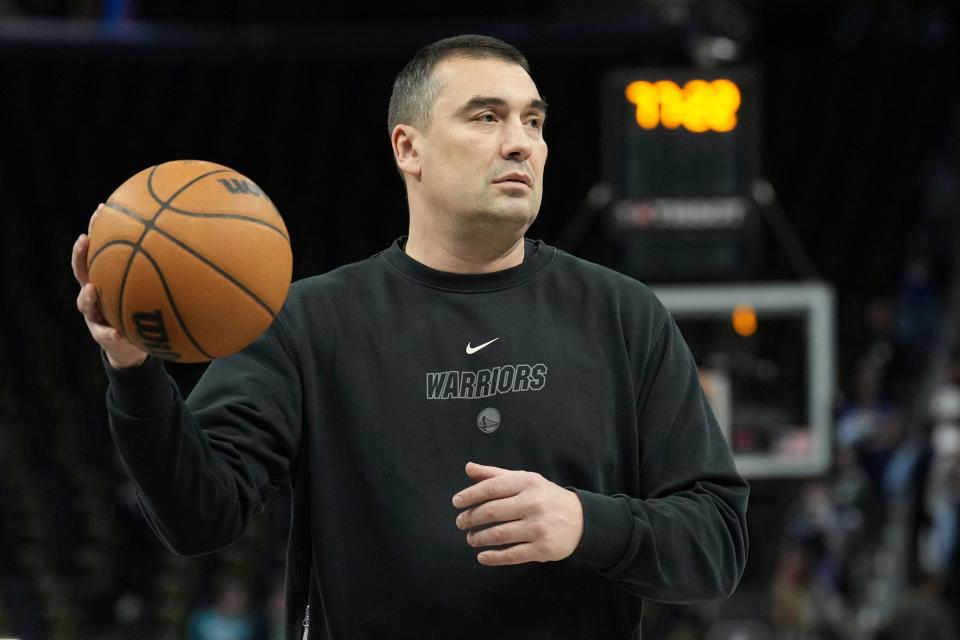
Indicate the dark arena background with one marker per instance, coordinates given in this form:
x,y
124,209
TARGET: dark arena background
x,y
819,237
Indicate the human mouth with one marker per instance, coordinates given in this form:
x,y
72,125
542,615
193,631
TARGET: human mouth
x,y
514,179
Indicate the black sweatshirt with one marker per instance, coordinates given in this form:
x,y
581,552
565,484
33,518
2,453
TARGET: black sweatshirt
x,y
376,384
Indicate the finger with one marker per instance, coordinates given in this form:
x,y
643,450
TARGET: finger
x,y
501,534
482,472
87,300
491,512
104,334
478,472
517,554
78,259
87,304
490,489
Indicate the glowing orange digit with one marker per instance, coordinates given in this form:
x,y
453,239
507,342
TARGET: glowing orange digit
x,y
671,103
644,96
696,97
726,102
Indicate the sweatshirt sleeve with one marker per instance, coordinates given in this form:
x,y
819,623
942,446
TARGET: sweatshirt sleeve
x,y
683,536
203,467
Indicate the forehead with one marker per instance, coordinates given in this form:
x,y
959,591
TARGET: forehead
x,y
463,78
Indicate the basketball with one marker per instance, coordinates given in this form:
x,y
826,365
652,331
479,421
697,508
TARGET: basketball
x,y
190,259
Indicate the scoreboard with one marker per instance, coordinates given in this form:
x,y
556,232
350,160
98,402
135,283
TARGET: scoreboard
x,y
681,154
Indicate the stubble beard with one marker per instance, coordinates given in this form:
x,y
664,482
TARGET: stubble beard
x,y
500,215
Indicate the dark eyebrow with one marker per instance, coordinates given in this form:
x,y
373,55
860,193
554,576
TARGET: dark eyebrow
x,y
481,102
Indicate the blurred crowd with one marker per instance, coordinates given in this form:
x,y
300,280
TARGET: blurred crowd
x,y
889,493
873,550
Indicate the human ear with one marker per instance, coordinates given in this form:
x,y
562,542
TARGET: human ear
x,y
405,140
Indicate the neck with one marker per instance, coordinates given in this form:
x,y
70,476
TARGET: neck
x,y
460,255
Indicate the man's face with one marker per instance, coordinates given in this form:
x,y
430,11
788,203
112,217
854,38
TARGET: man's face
x,y
482,154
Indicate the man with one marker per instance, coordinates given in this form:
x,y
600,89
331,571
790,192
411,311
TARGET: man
x,y
595,472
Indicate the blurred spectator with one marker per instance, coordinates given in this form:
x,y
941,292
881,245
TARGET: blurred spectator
x,y
942,495
792,606
859,517
935,530
869,429
939,541
952,570
807,602
882,349
863,418
800,610
228,619
917,306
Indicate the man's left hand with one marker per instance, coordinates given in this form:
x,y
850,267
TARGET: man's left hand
x,y
543,521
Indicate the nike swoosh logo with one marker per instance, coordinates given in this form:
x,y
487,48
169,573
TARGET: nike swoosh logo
x,y
473,350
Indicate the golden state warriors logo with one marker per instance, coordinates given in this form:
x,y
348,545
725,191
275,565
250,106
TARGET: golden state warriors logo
x,y
488,420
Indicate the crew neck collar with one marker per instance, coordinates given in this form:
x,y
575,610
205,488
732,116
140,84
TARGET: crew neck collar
x,y
536,256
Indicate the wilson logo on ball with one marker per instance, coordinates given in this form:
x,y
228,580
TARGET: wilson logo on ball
x,y
152,330
239,186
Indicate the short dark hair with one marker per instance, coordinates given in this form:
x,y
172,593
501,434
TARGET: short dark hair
x,y
415,90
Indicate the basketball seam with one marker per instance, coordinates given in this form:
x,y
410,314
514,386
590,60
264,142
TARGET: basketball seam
x,y
104,247
236,216
204,260
166,204
200,214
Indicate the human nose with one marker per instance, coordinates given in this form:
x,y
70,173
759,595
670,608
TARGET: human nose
x,y
517,144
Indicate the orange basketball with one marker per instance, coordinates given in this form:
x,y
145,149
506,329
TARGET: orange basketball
x,y
190,259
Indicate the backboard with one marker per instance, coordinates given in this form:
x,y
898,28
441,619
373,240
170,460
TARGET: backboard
x,y
766,355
